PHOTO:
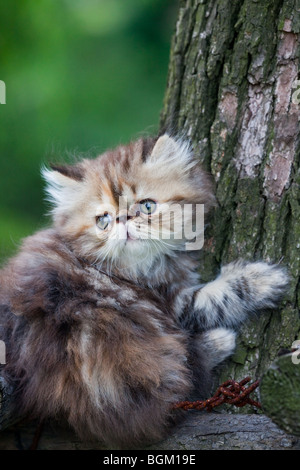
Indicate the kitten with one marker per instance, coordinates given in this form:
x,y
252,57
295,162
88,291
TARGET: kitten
x,y
106,326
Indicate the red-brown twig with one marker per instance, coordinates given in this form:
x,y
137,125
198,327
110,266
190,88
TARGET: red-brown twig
x,y
231,392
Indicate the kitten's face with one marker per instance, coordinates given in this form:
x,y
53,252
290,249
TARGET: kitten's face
x,y
126,206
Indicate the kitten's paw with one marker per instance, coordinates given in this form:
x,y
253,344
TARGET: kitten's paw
x,y
219,344
240,289
261,284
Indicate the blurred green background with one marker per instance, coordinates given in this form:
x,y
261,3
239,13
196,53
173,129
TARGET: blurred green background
x,y
80,75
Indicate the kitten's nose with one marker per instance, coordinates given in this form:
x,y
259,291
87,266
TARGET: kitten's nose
x,y
123,218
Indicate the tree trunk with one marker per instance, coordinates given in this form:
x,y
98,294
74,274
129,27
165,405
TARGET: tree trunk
x,y
231,90
280,393
200,431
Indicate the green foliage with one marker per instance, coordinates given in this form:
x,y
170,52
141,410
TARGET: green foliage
x,y
80,75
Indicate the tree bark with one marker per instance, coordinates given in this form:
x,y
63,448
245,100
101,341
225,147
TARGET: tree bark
x,y
231,91
280,393
199,431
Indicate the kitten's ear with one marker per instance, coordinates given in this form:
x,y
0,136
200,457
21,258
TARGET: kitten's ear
x,y
173,152
75,172
165,145
63,175
62,182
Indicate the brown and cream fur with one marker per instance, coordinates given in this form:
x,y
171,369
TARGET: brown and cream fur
x,y
108,333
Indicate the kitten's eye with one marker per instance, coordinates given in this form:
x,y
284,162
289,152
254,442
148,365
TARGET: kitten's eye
x,y
103,221
147,206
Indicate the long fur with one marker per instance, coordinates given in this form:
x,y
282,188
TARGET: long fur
x,y
106,332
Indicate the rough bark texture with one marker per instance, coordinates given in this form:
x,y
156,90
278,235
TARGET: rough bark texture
x,y
280,393
230,90
200,431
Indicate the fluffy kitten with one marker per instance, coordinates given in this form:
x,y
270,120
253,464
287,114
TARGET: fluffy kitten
x,y
107,327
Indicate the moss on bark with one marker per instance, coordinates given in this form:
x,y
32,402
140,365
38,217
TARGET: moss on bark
x,y
280,393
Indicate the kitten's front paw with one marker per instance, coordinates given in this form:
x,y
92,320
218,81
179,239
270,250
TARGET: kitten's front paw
x,y
262,284
241,289
218,343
